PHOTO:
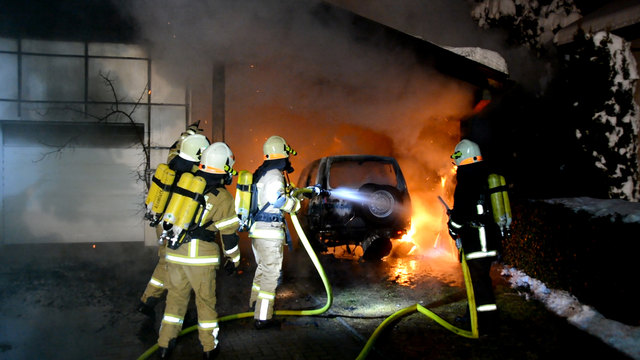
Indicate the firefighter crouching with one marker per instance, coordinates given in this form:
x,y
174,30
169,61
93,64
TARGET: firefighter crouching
x,y
193,254
268,230
473,227
156,288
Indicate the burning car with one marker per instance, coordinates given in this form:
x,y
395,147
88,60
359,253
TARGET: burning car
x,y
366,203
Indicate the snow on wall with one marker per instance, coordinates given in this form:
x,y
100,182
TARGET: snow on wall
x,y
533,24
623,80
609,135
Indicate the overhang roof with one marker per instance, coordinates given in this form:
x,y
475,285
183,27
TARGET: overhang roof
x,y
620,17
455,62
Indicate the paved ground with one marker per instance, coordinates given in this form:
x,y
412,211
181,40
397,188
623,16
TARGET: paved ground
x,y
75,301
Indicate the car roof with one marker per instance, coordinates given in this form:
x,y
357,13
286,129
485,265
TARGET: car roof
x,y
360,157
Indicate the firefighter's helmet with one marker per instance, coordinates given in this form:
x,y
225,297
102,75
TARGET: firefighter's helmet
x,y
277,148
217,159
191,130
192,146
466,152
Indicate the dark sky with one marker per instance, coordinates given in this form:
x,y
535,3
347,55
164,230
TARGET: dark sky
x,y
96,20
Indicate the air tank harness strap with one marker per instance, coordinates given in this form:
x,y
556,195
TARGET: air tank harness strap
x,y
498,189
268,217
201,233
163,187
190,194
246,187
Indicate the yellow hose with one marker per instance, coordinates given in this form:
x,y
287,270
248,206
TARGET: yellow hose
x,y
473,334
319,268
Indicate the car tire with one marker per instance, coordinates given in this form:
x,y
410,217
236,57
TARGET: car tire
x,y
375,247
382,209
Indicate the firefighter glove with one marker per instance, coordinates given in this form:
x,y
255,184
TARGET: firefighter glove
x,y
230,267
453,229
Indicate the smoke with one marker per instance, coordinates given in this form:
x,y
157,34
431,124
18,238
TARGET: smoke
x,y
301,70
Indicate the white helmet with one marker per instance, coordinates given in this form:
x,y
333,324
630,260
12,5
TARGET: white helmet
x,y
466,152
217,159
276,148
192,146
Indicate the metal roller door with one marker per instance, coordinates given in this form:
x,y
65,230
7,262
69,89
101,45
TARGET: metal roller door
x,y
70,182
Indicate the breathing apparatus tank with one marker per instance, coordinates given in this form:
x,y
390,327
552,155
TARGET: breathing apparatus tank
x,y
243,197
159,191
500,205
186,204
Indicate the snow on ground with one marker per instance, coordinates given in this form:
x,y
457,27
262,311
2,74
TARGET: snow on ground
x,y
628,211
620,336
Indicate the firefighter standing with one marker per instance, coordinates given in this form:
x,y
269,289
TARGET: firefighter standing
x,y
192,263
156,286
471,225
268,229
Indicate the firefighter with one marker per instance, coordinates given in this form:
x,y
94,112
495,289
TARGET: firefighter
x,y
192,264
268,230
472,226
156,286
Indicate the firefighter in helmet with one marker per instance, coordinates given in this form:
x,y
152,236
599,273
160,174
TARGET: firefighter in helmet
x,y
268,230
471,225
179,163
192,265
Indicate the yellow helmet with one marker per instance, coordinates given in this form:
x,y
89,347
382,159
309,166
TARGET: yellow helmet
x,y
217,159
466,152
192,146
276,148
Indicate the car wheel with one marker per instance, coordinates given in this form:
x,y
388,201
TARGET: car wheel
x,y
375,247
382,204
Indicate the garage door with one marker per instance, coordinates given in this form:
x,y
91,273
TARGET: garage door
x,y
68,182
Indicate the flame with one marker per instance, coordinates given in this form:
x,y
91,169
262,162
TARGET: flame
x,y
428,224
408,237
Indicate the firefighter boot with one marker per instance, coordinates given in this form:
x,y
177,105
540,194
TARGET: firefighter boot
x,y
266,324
164,353
148,307
209,355
464,320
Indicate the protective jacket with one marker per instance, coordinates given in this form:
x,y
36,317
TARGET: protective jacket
x,y
471,215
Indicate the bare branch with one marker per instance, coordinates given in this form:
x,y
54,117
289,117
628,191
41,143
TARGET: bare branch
x,y
114,111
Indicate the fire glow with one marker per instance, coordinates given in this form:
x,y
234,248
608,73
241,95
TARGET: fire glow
x,y
427,222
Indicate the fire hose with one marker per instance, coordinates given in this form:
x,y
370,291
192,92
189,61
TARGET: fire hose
x,y
472,334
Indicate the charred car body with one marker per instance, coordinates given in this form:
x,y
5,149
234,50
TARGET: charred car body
x,y
367,203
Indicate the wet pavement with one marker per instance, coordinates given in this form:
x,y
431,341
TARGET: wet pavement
x,y
77,301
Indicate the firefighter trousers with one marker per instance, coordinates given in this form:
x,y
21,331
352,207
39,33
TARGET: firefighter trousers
x,y
269,255
181,280
156,285
479,271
